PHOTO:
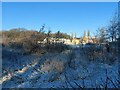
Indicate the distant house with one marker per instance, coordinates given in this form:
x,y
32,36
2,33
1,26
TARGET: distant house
x,y
76,41
88,40
67,41
42,42
51,40
72,41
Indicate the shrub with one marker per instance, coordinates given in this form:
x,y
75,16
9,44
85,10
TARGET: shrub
x,y
57,47
53,65
30,47
15,45
99,54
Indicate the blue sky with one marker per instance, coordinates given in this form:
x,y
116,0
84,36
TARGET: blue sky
x,y
66,17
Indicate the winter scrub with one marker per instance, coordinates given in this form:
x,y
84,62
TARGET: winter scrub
x,y
108,47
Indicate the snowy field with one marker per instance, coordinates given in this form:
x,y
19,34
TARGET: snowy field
x,y
69,69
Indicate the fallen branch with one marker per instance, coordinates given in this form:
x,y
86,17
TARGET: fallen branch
x,y
78,85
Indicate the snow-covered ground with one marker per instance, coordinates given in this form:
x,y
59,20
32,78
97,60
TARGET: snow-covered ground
x,y
69,69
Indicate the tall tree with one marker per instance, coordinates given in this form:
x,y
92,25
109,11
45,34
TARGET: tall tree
x,y
49,32
48,36
84,37
58,35
113,29
88,33
118,29
42,28
102,35
84,34
75,35
118,24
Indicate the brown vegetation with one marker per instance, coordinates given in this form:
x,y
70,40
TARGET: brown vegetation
x,y
26,41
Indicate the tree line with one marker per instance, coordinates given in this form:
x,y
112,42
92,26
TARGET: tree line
x,y
110,33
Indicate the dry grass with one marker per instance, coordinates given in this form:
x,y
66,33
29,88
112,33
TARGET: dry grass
x,y
100,55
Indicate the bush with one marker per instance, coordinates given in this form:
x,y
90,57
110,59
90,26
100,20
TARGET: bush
x,y
15,45
52,65
57,47
99,54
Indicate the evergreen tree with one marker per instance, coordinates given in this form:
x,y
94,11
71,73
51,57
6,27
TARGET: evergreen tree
x,y
58,34
84,34
84,37
42,28
75,35
88,33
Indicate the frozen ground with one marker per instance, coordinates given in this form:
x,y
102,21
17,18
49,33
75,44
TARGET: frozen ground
x,y
69,69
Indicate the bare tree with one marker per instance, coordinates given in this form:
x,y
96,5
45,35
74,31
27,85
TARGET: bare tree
x,y
112,31
118,29
101,35
48,36
42,29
